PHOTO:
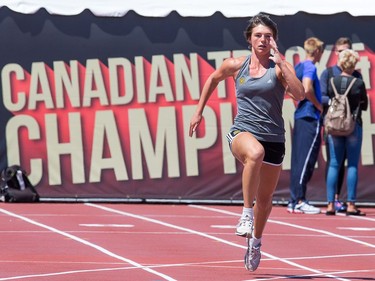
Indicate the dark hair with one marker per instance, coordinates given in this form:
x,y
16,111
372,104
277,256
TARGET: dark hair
x,y
344,41
262,19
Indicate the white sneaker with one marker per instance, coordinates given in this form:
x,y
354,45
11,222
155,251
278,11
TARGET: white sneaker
x,y
306,208
244,226
252,256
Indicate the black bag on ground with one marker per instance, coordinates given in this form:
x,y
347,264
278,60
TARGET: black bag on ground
x,y
15,186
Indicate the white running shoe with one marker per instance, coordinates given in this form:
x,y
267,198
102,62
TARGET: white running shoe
x,y
244,226
306,208
252,256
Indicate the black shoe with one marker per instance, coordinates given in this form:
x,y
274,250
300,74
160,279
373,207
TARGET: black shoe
x,y
330,213
355,213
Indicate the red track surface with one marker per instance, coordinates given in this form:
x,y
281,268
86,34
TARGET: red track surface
x,y
177,242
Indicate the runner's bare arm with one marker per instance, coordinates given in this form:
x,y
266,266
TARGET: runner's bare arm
x,y
228,68
287,74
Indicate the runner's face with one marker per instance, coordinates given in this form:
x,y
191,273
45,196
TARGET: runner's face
x,y
260,39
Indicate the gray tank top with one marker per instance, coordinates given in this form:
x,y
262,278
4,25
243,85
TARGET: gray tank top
x,y
259,104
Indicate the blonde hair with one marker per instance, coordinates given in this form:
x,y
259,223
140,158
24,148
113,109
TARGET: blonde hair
x,y
348,59
312,44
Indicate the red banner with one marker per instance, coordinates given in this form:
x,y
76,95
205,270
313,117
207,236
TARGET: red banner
x,y
116,126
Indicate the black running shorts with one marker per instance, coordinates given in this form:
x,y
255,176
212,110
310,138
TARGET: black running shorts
x,y
274,151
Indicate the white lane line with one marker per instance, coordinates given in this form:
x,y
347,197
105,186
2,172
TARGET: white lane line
x,y
313,276
184,229
92,245
358,228
211,237
223,226
325,232
106,225
291,225
70,272
332,256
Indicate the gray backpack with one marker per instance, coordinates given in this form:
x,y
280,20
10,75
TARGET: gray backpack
x,y
339,121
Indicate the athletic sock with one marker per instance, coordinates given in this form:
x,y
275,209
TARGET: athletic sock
x,y
248,212
256,241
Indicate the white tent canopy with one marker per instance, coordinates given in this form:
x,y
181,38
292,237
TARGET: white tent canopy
x,y
194,8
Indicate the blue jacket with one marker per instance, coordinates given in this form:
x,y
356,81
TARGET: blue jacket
x,y
305,108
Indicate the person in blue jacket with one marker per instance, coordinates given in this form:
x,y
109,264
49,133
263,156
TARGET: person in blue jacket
x,y
306,138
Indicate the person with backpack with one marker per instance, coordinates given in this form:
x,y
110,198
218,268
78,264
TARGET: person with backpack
x,y
306,138
349,145
341,44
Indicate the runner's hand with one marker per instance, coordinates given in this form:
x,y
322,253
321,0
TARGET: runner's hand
x,y
275,55
194,123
